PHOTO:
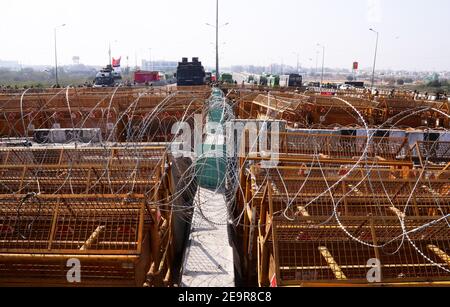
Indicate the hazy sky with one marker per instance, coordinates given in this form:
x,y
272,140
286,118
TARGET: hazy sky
x,y
414,34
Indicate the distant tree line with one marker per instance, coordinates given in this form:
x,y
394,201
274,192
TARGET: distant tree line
x,y
438,83
28,77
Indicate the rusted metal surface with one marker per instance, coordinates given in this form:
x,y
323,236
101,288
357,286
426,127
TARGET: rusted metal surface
x,y
103,206
324,228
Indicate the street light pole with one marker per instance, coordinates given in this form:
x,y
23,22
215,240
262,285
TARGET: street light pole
x,y
317,62
217,41
110,53
298,61
56,55
375,58
217,38
323,64
150,63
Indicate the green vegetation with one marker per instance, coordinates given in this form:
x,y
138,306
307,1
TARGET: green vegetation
x,y
438,83
30,78
409,81
434,86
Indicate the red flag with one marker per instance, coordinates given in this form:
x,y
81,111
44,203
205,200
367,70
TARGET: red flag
x,y
116,62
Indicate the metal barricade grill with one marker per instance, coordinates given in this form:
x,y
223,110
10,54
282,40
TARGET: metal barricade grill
x,y
310,225
108,208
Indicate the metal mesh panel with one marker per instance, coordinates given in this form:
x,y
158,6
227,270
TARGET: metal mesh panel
x,y
40,225
327,223
93,204
301,256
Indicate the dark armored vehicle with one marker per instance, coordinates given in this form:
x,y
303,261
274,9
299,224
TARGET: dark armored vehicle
x,y
191,73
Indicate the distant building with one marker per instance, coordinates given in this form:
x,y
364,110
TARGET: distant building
x,y
80,69
11,65
164,66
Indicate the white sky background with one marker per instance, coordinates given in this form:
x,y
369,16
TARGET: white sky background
x,y
414,34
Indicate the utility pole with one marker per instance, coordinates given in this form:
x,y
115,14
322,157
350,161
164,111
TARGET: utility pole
x,y
317,63
375,58
128,67
298,61
110,56
323,64
110,52
56,55
150,63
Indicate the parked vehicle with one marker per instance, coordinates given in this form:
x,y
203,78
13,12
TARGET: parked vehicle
x,y
209,77
142,77
107,77
190,73
291,80
345,87
227,78
355,84
273,81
